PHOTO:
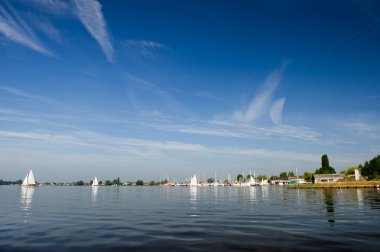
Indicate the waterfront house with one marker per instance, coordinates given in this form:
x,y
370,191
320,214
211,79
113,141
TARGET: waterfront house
x,y
279,180
292,180
325,178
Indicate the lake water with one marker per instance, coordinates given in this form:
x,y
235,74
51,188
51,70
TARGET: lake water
x,y
188,219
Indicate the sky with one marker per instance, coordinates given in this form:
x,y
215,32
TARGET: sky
x,y
153,89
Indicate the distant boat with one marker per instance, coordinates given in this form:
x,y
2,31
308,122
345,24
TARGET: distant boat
x,y
95,182
194,181
29,179
264,182
252,181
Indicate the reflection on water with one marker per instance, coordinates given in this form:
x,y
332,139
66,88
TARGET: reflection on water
x,y
26,199
252,193
359,194
193,194
258,218
264,192
94,194
329,201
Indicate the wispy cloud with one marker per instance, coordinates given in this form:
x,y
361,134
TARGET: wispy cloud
x,y
237,130
370,129
276,111
44,25
259,104
13,27
144,47
32,97
372,97
112,145
164,97
90,14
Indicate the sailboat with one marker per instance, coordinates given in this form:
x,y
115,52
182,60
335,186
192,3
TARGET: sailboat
x,y
194,181
95,182
264,182
252,181
29,179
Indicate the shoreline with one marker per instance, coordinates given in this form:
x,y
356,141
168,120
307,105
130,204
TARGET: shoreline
x,y
348,185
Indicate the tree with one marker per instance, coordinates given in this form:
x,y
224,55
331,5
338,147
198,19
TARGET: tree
x,y
152,183
163,182
210,180
325,162
350,171
240,178
79,183
262,177
308,176
139,182
291,174
326,168
108,182
283,174
371,169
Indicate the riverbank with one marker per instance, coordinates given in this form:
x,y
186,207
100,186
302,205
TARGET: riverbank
x,y
350,184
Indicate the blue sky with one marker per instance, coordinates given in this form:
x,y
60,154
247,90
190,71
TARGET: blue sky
x,y
147,89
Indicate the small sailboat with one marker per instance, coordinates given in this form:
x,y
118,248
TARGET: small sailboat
x,y
29,179
264,182
194,181
95,182
252,181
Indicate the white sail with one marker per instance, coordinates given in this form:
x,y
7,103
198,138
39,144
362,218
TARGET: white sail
x,y
252,181
95,182
29,179
194,181
25,181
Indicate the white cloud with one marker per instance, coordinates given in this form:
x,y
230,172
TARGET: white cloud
x,y
131,146
13,27
276,111
144,47
260,102
90,14
163,96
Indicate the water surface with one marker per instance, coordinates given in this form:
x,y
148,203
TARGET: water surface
x,y
188,219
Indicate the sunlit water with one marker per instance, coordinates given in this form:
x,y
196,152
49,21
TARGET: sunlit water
x,y
193,219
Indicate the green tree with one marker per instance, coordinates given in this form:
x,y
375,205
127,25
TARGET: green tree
x,y
371,169
79,183
308,176
108,182
350,171
210,180
152,183
262,177
325,162
283,174
326,168
239,178
163,182
291,174
139,182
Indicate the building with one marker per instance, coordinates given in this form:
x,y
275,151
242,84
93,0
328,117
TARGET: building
x,y
325,178
293,180
279,180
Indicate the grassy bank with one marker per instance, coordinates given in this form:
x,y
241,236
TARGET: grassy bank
x,y
349,184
